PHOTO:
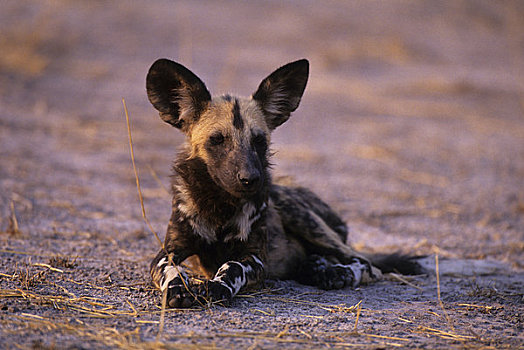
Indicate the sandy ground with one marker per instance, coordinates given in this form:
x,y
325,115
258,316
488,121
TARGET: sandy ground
x,y
412,127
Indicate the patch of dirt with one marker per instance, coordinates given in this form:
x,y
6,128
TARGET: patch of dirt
x,y
412,127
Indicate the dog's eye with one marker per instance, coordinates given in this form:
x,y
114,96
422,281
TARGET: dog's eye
x,y
216,139
259,139
260,142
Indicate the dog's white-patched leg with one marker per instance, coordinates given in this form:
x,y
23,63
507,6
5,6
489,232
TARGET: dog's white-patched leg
x,y
233,276
169,273
173,280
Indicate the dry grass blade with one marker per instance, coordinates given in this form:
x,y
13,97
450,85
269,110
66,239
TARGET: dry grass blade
x,y
6,275
359,308
272,313
444,334
49,267
157,179
135,313
144,216
327,307
107,336
13,227
85,305
132,152
306,334
384,337
283,332
312,340
450,322
477,306
162,315
405,281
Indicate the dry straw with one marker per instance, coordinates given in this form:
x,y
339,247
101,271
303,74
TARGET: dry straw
x,y
448,319
144,216
131,151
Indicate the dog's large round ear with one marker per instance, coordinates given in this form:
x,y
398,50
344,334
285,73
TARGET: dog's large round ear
x,y
279,94
178,94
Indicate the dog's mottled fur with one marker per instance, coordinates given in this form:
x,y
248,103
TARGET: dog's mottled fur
x,y
226,210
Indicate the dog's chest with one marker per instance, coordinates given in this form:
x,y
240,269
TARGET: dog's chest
x,y
236,227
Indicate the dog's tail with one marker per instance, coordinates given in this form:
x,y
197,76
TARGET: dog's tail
x,y
398,263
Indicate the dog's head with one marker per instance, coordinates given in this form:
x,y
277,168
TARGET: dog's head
x,y
230,135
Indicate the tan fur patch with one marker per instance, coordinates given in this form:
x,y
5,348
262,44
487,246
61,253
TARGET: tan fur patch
x,y
219,118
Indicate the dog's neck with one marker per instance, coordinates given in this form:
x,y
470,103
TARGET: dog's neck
x,y
212,211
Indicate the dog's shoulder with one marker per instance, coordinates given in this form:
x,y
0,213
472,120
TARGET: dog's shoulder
x,y
298,206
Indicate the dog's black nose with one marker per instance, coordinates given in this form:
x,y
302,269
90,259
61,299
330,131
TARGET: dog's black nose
x,y
249,181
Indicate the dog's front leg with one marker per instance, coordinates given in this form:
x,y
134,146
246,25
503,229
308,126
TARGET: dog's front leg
x,y
168,275
233,276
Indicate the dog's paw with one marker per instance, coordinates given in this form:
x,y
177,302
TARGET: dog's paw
x,y
317,271
363,272
179,295
217,291
335,277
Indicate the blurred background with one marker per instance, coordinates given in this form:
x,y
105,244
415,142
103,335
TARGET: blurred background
x,y
412,124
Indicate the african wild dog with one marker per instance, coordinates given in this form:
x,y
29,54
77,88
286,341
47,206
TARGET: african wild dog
x,y
226,210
